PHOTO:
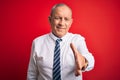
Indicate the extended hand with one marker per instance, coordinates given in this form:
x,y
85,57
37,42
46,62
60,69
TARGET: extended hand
x,y
79,60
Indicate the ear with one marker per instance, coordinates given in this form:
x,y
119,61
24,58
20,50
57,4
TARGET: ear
x,y
49,18
71,21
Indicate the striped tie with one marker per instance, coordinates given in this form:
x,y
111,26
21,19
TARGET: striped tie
x,y
56,64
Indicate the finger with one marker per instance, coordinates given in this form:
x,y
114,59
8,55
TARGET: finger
x,y
78,66
77,72
75,52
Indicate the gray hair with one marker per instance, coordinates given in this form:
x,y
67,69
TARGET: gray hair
x,y
58,5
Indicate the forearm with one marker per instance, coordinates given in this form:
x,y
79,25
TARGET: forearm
x,y
32,73
32,70
89,64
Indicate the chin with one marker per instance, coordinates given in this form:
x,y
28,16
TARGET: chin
x,y
60,35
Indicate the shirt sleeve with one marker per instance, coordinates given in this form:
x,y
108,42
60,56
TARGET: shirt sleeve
x,y
82,48
32,68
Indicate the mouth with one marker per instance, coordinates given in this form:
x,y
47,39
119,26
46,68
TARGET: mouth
x,y
59,27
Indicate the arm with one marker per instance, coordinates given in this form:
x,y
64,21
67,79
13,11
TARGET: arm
x,y
83,58
89,58
32,68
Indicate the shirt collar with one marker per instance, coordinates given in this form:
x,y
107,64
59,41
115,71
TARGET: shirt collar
x,y
64,38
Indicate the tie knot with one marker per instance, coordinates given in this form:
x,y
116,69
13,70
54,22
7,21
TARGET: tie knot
x,y
58,40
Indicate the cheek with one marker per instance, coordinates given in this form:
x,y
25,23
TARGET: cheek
x,y
68,25
54,22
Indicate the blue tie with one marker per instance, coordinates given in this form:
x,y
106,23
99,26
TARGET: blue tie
x,y
56,63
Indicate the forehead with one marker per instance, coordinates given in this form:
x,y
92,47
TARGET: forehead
x,y
63,11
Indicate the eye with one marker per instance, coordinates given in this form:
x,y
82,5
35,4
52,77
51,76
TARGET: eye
x,y
57,18
67,19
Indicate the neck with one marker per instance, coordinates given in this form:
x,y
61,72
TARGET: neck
x,y
57,35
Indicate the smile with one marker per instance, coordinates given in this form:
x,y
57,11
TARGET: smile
x,y
60,27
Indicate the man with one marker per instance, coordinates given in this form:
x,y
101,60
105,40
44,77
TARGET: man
x,y
59,55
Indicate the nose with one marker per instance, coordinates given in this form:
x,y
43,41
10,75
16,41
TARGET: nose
x,y
62,22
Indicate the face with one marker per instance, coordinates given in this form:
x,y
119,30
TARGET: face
x,y
61,21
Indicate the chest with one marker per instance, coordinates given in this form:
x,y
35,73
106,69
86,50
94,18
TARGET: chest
x,y
45,56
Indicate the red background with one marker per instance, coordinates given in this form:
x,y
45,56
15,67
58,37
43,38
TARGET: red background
x,y
23,20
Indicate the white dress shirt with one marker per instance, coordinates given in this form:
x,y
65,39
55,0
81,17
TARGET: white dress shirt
x,y
42,54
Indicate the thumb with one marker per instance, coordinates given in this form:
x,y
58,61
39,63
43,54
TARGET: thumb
x,y
74,50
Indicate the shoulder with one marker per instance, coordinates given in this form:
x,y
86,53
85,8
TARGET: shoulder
x,y
41,38
78,40
76,36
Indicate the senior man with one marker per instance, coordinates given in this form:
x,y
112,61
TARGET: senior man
x,y
59,55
